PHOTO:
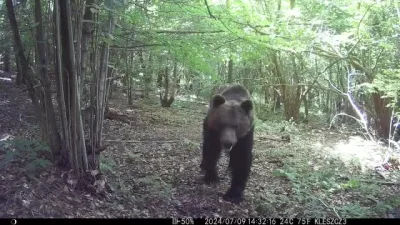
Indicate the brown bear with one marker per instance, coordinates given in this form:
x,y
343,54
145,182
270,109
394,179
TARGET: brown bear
x,y
229,126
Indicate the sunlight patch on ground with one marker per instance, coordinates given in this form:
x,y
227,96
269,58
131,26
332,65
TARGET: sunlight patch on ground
x,y
6,79
4,137
189,98
5,102
367,153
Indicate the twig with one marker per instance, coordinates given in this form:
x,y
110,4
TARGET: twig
x,y
209,11
334,210
227,43
380,182
132,141
271,139
337,214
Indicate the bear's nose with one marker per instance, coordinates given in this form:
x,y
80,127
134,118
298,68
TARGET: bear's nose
x,y
227,145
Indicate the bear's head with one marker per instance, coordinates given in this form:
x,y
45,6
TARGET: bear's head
x,y
231,119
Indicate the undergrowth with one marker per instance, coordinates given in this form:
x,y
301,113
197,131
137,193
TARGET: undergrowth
x,y
322,185
32,153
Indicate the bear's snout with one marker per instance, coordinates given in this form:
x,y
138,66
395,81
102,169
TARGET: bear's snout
x,y
228,139
227,145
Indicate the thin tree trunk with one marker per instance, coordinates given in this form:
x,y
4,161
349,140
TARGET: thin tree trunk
x,y
383,113
166,87
80,5
87,33
148,77
277,101
78,148
100,102
27,73
170,88
50,119
146,73
230,71
306,105
61,92
19,79
128,77
6,60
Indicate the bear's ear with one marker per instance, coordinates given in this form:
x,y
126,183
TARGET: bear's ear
x,y
218,100
247,105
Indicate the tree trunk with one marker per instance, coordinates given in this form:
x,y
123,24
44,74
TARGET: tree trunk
x,y
19,79
50,119
148,76
70,89
292,103
160,79
230,71
292,4
164,97
383,115
33,91
87,33
277,101
266,95
100,101
169,90
6,60
128,78
306,102
291,94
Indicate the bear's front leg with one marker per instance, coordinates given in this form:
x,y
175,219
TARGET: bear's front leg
x,y
211,154
240,163
240,175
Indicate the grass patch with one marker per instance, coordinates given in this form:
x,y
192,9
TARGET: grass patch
x,y
33,154
321,184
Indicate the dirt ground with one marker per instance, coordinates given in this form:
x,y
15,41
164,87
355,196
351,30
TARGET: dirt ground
x,y
152,168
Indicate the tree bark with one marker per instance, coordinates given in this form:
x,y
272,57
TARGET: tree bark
x,y
87,34
50,119
6,60
78,157
19,79
25,71
100,101
230,71
169,87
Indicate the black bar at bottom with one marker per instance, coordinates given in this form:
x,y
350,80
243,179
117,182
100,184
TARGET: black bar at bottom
x,y
205,221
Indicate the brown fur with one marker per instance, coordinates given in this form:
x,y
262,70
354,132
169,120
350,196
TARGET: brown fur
x,y
231,112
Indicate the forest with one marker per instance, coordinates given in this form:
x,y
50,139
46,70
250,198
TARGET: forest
x,y
102,106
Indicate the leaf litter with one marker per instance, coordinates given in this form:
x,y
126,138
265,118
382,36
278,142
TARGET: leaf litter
x,y
157,175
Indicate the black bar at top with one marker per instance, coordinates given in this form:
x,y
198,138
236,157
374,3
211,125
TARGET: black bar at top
x,y
206,221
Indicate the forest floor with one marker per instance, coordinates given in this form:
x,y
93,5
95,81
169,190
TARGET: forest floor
x,y
152,168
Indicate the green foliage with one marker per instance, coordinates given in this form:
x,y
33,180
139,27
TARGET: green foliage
x,y
351,184
282,173
30,152
316,178
355,210
157,185
191,145
274,123
262,112
388,82
107,164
